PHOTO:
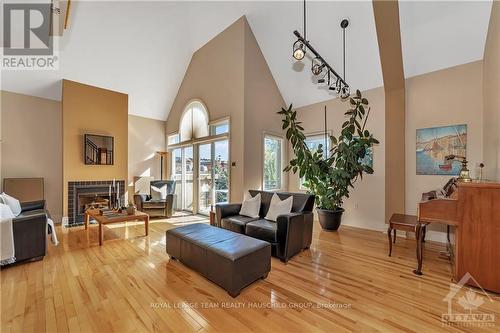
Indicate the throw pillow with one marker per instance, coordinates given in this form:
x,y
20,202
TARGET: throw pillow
x,y
5,212
279,207
13,203
159,193
250,206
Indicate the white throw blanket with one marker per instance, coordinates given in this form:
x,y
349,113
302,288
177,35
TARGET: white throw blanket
x,y
53,235
7,254
7,239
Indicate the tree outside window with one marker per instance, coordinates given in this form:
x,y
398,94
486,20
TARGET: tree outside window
x,y
272,162
313,142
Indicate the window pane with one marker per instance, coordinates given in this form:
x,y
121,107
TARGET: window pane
x,y
194,122
221,171
173,139
221,128
313,142
177,175
272,163
205,178
188,186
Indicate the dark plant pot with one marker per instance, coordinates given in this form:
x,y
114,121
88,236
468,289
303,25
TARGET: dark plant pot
x,y
330,219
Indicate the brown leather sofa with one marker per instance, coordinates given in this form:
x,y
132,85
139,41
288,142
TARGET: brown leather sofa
x,y
157,208
289,235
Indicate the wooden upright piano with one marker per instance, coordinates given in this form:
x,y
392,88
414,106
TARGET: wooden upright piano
x,y
472,214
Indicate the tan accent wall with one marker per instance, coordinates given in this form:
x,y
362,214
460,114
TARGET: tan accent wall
x,y
31,144
216,76
88,109
491,94
364,208
389,39
439,99
145,137
262,102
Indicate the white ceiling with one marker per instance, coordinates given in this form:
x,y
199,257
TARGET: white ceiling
x,y
442,34
144,48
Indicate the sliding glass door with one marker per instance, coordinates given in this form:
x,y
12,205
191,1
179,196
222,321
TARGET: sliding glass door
x,y
201,172
183,174
213,179
205,178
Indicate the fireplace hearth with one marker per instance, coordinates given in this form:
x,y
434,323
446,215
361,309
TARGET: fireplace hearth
x,y
91,194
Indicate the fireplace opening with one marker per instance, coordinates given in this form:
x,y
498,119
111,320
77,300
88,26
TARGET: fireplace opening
x,y
92,201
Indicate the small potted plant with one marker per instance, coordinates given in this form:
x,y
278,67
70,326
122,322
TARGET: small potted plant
x,y
330,177
131,209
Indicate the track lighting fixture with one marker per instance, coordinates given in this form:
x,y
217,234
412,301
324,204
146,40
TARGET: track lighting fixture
x,y
319,64
299,51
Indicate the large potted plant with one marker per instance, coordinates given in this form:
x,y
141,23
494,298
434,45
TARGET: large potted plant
x,y
330,176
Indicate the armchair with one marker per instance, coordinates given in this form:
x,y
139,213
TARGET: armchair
x,y
157,207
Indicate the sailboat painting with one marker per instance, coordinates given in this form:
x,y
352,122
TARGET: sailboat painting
x,y
433,144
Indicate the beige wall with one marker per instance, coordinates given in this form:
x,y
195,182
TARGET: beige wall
x,y
439,99
88,109
365,207
491,94
262,102
31,144
145,137
216,76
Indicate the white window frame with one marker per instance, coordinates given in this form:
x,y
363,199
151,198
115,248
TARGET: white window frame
x,y
178,137
280,138
222,121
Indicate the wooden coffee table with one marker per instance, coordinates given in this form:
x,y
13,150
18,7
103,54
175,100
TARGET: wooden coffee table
x,y
94,213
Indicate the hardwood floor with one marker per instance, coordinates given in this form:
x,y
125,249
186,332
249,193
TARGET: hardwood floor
x,y
345,282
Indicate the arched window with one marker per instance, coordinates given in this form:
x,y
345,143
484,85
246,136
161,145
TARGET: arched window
x,y
194,122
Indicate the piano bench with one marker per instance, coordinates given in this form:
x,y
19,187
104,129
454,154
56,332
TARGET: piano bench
x,y
403,222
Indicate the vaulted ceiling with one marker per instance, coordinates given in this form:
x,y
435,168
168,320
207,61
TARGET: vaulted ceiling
x,y
144,48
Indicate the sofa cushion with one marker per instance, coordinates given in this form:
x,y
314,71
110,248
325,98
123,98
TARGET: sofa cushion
x,y
154,204
236,223
159,192
250,206
279,207
263,229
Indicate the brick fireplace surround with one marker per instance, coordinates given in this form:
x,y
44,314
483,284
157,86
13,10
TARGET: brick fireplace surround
x,y
85,189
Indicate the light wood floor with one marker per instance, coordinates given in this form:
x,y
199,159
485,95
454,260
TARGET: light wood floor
x,y
129,285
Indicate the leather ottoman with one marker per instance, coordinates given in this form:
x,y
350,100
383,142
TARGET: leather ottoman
x,y
231,260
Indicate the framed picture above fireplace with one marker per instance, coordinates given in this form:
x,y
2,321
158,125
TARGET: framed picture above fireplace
x,y
98,149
